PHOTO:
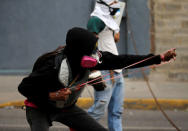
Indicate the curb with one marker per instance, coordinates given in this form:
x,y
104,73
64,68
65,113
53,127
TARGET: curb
x,y
144,104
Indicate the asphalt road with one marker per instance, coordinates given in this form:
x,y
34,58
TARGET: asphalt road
x,y
133,120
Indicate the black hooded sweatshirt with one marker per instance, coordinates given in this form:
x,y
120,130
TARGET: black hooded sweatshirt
x,y
79,42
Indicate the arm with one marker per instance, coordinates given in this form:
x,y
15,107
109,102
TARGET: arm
x,y
117,37
40,82
36,88
95,25
110,61
61,94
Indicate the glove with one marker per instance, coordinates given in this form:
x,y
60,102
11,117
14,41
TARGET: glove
x,y
168,55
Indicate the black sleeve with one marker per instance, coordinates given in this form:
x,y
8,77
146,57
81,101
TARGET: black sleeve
x,y
36,85
111,61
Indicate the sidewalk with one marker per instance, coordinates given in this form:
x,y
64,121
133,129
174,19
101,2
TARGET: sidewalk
x,y
170,94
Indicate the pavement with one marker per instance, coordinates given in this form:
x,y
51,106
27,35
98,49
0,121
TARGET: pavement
x,y
170,94
132,120
140,114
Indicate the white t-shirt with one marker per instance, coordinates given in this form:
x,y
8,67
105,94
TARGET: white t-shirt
x,y
106,42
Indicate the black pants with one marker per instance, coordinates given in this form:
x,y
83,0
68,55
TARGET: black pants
x,y
73,117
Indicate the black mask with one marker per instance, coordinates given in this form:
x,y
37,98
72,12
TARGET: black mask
x,y
112,10
79,43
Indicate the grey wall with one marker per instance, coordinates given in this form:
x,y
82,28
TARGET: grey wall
x,y
29,28
139,16
139,19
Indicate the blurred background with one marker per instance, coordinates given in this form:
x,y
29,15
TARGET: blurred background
x,y
31,28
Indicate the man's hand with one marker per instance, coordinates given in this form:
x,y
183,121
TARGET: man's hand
x,y
168,55
61,94
117,37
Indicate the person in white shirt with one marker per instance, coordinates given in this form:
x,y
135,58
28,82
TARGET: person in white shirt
x,y
107,30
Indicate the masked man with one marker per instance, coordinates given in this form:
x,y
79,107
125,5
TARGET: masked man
x,y
58,79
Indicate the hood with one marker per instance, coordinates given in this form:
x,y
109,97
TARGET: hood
x,y
79,42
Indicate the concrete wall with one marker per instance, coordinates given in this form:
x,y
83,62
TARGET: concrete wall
x,y
138,30
171,31
29,28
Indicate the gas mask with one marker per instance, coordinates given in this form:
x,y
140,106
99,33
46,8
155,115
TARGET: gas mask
x,y
91,61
